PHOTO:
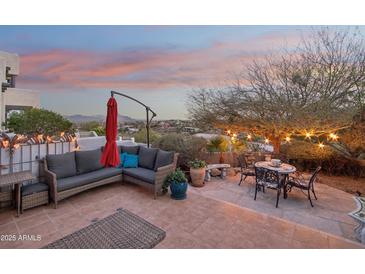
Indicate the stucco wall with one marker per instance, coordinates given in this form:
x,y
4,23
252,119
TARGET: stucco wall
x,y
22,97
12,61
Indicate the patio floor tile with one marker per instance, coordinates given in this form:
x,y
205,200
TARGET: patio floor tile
x,y
197,222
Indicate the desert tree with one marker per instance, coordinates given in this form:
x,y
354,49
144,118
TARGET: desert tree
x,y
312,90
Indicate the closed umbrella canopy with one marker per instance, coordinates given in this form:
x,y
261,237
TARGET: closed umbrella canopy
x,y
110,157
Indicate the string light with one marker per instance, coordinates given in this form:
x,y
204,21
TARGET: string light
x,y
228,132
5,143
287,138
308,135
267,141
249,137
321,145
40,137
333,136
234,135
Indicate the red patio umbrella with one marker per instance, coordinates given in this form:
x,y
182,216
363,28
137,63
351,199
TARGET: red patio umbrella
x,y
110,157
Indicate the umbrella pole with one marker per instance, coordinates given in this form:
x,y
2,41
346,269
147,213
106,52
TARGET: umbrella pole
x,y
148,109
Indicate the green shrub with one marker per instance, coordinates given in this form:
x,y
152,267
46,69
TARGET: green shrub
x,y
239,146
188,147
306,150
100,131
38,121
176,176
307,156
218,144
141,136
197,163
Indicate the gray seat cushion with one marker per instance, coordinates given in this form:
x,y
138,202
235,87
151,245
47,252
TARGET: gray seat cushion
x,y
140,173
34,188
88,160
164,158
87,178
147,157
63,165
130,149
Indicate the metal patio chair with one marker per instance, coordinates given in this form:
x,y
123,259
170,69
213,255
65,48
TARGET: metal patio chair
x,y
266,178
245,168
304,185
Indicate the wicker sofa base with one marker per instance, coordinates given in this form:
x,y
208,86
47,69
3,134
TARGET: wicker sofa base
x,y
6,198
35,199
70,192
155,188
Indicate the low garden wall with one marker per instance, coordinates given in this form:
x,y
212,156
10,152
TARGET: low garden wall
x,y
215,157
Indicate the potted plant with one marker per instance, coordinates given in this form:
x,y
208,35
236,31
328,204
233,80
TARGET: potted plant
x,y
218,144
197,172
178,184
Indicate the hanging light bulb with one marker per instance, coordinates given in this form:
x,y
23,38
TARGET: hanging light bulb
x,y
249,136
333,137
308,135
321,145
287,138
5,143
267,141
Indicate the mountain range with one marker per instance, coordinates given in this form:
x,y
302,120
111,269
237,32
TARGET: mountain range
x,y
79,118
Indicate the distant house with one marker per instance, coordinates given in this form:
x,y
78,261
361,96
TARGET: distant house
x,y
130,129
12,98
191,129
209,136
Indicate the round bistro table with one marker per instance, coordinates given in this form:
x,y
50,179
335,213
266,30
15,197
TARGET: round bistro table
x,y
284,170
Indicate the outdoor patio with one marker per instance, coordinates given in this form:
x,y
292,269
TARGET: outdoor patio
x,y
329,214
197,222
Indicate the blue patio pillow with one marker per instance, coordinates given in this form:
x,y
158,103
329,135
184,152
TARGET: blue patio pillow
x,y
130,160
122,157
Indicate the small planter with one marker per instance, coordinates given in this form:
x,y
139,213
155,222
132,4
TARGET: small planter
x,y
178,184
178,190
197,176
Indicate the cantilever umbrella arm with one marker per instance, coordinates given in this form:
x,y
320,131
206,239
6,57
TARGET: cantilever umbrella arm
x,y
147,108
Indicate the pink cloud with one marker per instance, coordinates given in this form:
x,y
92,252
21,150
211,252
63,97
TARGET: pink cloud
x,y
143,69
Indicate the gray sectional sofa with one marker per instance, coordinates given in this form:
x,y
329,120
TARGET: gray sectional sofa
x,y
74,172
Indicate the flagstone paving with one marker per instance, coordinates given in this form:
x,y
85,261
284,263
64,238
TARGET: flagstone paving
x,y
197,222
329,214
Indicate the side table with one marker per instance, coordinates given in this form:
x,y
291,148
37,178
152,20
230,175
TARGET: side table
x,y
16,179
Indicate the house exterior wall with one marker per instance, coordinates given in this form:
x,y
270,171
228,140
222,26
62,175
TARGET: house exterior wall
x,y
14,96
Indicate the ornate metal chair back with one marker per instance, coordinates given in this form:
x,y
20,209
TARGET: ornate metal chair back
x,y
260,174
314,176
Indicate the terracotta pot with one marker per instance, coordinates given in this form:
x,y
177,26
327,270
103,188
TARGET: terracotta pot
x,y
197,176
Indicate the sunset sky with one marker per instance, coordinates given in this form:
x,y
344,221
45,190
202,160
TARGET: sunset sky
x,y
75,67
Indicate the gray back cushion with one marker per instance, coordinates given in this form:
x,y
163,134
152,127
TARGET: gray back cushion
x,y
88,160
63,165
130,149
164,158
147,157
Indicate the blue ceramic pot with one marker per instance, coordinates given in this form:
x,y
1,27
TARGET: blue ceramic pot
x,y
178,190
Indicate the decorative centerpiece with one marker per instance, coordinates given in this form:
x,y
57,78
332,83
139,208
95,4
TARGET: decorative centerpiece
x,y
275,162
197,172
178,185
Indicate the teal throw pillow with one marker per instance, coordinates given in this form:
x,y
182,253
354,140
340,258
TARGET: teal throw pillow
x,y
130,160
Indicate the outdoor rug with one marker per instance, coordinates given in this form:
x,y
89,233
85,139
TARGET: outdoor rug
x,y
121,230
